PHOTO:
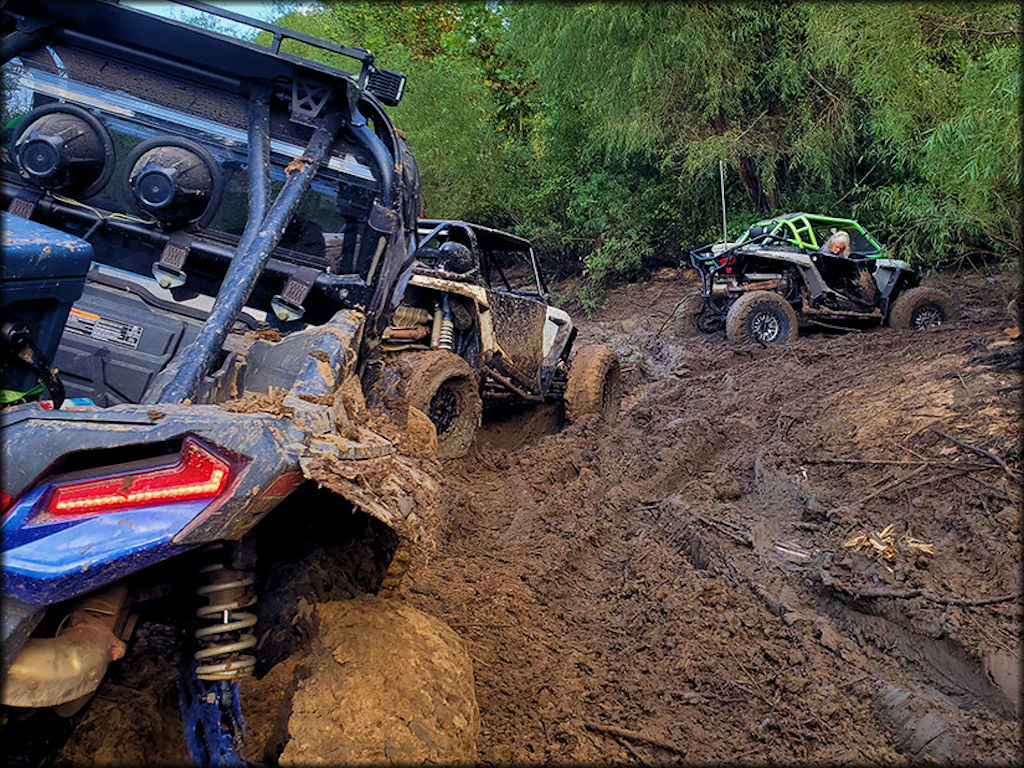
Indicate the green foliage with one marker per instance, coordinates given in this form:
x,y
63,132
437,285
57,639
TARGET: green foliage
x,y
446,109
596,129
941,120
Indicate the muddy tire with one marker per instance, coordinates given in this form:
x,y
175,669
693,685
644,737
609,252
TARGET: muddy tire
x,y
387,684
594,385
921,308
761,317
443,386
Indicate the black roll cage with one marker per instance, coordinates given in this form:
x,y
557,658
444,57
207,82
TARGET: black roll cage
x,y
481,241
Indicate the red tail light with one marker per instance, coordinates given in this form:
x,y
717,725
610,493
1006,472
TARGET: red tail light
x,y
5,500
198,474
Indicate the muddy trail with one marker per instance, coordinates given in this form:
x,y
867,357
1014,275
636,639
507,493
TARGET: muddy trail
x,y
809,554
682,573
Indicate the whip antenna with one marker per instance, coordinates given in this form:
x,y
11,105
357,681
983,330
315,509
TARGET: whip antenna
x,y
721,182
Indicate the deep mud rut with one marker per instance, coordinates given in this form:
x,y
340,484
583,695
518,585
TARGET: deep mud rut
x,y
674,587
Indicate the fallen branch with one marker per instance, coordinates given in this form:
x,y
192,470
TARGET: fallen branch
x,y
998,493
889,486
939,479
897,462
673,313
629,748
981,451
611,730
907,594
922,428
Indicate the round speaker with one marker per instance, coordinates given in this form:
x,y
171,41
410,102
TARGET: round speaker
x,y
62,148
174,180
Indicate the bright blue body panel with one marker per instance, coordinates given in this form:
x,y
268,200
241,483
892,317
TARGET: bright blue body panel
x,y
51,561
47,560
42,272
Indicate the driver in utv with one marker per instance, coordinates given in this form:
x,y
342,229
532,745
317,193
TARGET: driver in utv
x,y
838,244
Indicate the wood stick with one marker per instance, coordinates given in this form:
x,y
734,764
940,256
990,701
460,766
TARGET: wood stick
x,y
987,454
611,730
964,383
629,748
991,488
896,462
907,594
889,486
673,313
922,428
939,479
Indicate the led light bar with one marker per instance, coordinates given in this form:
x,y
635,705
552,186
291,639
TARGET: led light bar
x,y
198,474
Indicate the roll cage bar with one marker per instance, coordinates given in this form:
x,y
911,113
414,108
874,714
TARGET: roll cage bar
x,y
140,37
324,98
482,240
801,230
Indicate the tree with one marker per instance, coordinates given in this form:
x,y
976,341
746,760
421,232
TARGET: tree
x,y
447,108
596,129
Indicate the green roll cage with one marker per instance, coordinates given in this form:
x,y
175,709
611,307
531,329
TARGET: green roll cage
x,y
805,230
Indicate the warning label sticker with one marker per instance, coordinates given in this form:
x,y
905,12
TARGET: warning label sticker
x,y
103,329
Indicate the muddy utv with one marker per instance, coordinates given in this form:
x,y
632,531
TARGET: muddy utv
x,y
204,242
781,274
476,326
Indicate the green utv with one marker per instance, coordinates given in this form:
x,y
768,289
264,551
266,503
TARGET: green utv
x,y
783,273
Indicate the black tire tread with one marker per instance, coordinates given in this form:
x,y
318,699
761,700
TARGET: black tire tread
x,y
741,310
905,304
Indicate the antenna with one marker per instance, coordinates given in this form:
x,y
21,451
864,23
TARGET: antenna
x,y
721,181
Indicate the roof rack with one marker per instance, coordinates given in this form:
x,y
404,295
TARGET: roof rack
x,y
280,34
385,85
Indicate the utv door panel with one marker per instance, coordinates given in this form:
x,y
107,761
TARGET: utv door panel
x,y
519,331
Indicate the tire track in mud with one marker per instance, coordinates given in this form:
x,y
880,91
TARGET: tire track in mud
x,y
645,612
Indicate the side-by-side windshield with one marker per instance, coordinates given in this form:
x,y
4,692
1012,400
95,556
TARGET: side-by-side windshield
x,y
517,268
130,120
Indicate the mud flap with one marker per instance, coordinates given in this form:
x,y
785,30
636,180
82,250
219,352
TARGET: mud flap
x,y
400,491
211,716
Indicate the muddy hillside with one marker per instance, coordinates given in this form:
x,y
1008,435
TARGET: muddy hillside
x,y
806,554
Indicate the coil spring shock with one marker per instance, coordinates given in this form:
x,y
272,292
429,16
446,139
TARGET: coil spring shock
x,y
222,643
446,338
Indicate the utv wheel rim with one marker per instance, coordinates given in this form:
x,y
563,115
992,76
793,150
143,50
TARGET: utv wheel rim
x,y
765,327
927,316
444,408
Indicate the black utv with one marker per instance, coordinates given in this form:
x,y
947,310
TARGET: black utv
x,y
204,242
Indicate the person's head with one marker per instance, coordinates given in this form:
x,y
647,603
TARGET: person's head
x,y
839,243
455,257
